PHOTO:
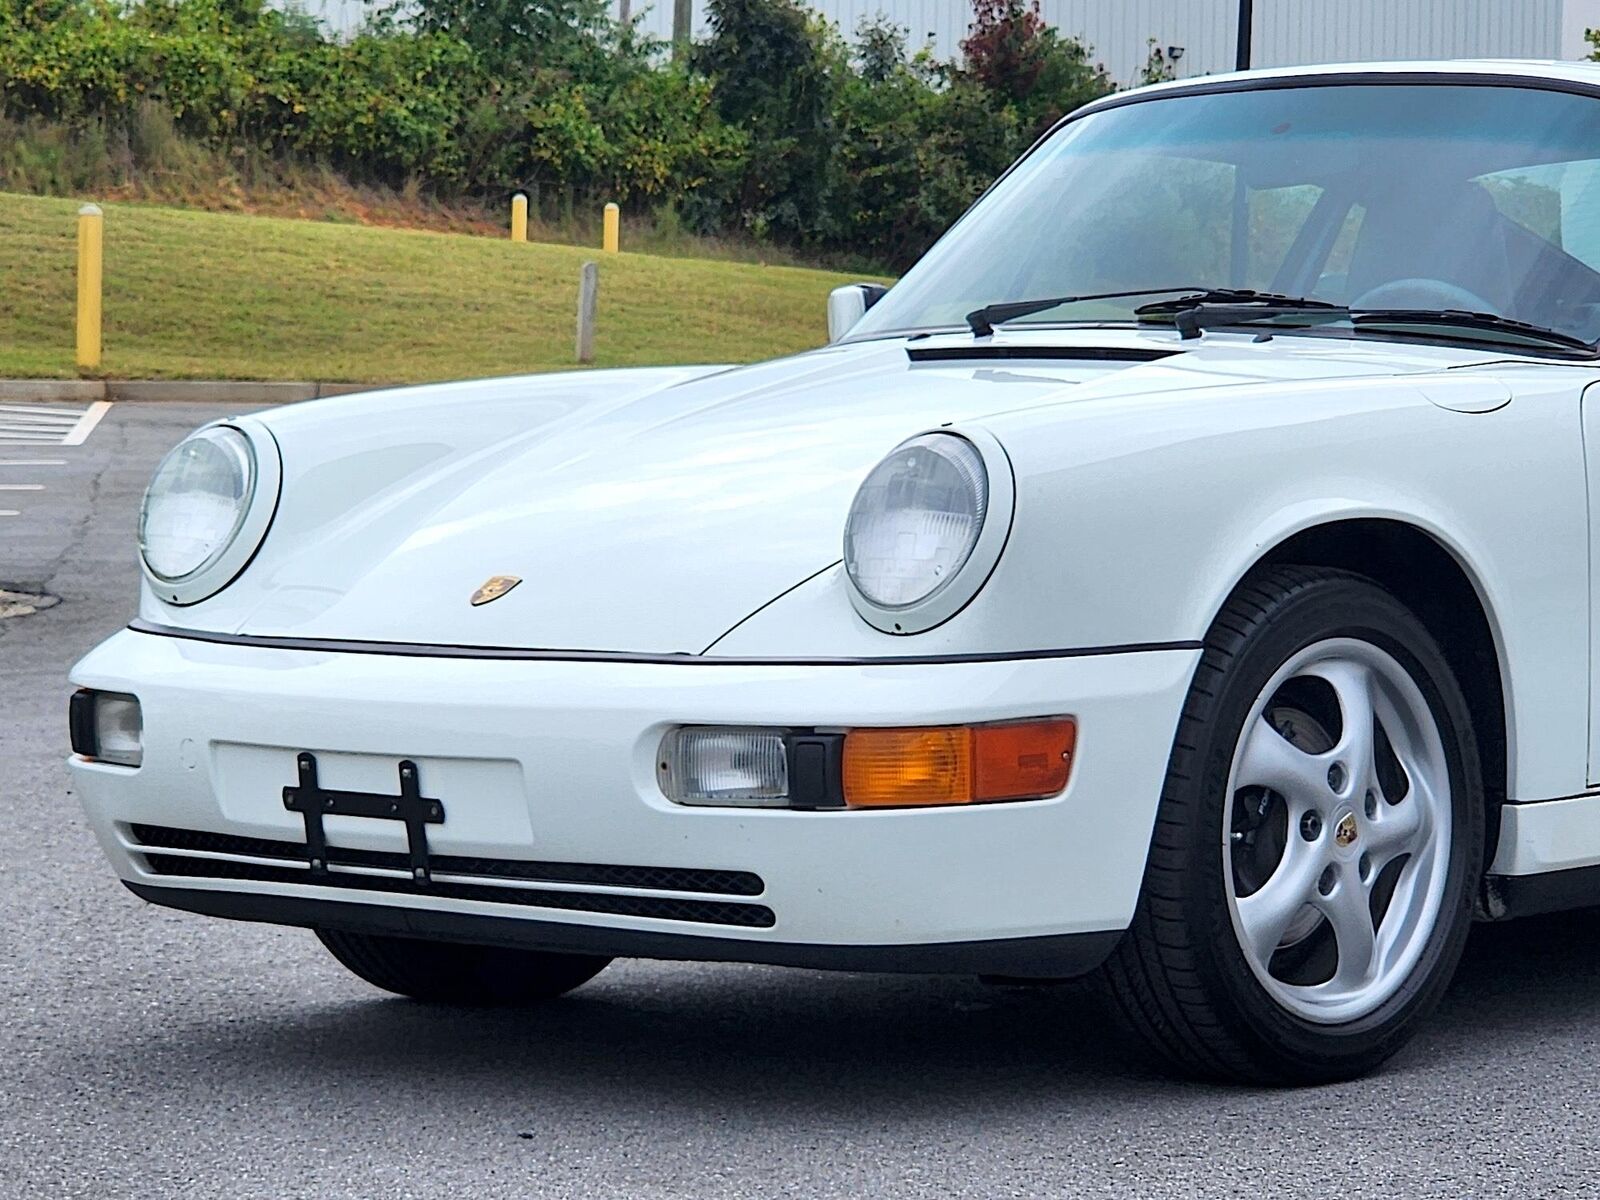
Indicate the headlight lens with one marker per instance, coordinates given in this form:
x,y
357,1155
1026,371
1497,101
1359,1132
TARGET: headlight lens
x,y
916,519
196,503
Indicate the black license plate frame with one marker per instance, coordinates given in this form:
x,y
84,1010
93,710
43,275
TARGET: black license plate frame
x,y
314,802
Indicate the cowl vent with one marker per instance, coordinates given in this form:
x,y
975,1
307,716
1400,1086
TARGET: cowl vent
x,y
1122,354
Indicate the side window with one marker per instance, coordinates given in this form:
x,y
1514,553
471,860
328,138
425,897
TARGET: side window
x,y
1558,203
1334,282
1550,248
1276,217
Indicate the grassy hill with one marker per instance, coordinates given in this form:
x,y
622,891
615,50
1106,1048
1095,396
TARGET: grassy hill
x,y
206,295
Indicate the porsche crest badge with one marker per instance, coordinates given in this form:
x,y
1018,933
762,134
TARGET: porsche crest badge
x,y
1345,832
493,588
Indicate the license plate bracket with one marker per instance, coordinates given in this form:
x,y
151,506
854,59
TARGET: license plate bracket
x,y
314,802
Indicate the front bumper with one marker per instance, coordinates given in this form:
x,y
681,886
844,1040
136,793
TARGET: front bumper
x,y
547,770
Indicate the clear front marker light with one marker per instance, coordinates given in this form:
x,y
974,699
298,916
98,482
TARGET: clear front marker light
x,y
710,765
196,503
915,520
107,727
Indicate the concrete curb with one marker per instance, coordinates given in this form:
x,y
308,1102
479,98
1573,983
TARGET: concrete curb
x,y
225,391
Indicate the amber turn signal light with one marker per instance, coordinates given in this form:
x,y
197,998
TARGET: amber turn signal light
x,y
957,764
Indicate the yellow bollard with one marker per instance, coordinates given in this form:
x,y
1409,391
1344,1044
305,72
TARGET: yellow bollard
x,y
613,229
519,218
90,248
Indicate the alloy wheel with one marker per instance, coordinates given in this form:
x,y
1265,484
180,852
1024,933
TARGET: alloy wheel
x,y
1336,831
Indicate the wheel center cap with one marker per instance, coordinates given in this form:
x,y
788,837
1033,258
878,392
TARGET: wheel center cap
x,y
1345,831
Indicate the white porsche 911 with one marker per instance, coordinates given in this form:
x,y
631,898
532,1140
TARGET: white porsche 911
x,y
1183,575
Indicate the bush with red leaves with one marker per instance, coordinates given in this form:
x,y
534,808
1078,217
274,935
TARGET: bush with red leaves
x,y
1007,47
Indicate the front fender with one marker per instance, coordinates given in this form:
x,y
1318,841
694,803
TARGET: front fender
x,y
1135,521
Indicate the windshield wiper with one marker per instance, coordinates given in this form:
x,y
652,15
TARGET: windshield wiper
x,y
1198,307
983,320
1235,306
1464,319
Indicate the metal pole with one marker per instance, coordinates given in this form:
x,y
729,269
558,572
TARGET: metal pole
x,y
682,26
1241,61
89,286
611,235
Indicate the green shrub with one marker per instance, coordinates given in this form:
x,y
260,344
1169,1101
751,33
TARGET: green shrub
x,y
775,73
772,127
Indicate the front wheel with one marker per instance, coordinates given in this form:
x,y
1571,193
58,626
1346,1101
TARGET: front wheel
x,y
457,973
1320,833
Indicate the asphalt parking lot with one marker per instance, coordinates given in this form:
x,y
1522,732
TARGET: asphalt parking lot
x,y
149,1053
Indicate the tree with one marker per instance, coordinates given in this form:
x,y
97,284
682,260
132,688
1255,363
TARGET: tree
x,y
1012,53
775,72
511,37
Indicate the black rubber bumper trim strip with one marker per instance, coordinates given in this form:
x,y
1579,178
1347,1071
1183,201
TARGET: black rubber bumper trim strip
x,y
1356,77
515,654
1508,896
1058,956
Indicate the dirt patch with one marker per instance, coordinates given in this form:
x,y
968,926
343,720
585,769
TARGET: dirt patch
x,y
23,604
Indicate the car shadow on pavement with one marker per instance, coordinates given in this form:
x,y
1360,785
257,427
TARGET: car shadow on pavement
x,y
795,1042
656,1034
1521,978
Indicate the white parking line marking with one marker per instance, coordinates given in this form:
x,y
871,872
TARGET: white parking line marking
x,y
12,424
33,425
86,423
47,410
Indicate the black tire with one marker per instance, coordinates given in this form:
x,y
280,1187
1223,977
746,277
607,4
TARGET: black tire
x,y
1179,979
457,973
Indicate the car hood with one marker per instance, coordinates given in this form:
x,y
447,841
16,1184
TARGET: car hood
x,y
651,511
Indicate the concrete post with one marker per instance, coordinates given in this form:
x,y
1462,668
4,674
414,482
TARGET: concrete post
x,y
588,302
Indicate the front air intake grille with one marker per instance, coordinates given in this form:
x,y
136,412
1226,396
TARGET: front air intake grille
x,y
661,879
669,908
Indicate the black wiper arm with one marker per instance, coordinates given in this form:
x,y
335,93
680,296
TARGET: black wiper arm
x,y
1235,306
1235,297
1464,319
983,320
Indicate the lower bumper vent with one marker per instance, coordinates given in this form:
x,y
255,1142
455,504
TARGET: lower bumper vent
x,y
686,879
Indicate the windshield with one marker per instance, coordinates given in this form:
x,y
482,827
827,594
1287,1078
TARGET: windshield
x,y
1392,196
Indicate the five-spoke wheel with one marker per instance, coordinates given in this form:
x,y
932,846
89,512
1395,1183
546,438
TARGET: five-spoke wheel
x,y
1338,809
1320,834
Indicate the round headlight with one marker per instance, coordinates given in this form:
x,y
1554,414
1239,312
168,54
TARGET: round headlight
x,y
196,503
916,521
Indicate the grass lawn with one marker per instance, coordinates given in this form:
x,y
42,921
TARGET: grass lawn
x,y
204,295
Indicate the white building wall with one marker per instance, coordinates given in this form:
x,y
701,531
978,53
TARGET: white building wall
x,y
1290,32
1286,31
1577,17
342,16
